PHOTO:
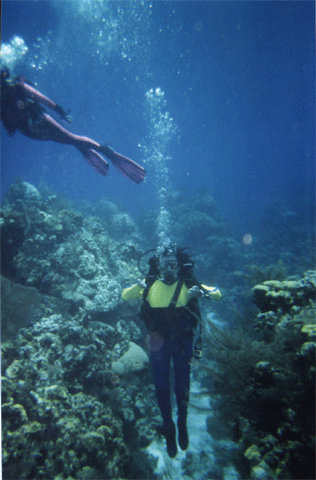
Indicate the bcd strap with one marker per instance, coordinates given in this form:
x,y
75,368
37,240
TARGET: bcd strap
x,y
176,293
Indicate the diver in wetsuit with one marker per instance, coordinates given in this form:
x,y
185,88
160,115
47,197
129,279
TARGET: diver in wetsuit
x,y
171,314
21,109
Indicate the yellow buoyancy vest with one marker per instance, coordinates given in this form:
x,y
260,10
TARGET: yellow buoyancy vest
x,y
160,295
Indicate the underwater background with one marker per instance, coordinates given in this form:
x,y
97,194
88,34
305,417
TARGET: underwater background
x,y
217,101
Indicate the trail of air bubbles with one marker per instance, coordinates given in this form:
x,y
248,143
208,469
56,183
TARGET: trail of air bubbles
x,y
94,31
162,130
13,53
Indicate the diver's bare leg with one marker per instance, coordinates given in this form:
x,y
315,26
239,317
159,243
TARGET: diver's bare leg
x,y
52,130
56,132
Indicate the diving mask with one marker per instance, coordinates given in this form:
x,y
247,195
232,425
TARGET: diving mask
x,y
168,268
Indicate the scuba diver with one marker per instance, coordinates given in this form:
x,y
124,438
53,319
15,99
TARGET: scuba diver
x,y
21,109
171,313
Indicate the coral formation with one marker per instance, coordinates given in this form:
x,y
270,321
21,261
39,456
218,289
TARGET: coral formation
x,y
274,295
64,255
265,381
61,411
134,360
64,415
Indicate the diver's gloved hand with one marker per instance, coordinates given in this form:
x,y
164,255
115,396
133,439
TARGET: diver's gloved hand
x,y
68,117
141,283
206,292
195,292
64,115
212,292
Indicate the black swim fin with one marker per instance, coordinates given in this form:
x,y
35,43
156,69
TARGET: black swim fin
x,y
125,165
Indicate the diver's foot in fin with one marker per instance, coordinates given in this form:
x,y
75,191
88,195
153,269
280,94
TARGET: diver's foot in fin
x,y
125,165
96,161
183,437
169,432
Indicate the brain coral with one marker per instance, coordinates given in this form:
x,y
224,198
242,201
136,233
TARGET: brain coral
x,y
134,360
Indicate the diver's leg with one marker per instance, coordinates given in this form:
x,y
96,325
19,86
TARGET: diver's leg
x,y
52,130
182,367
161,365
56,132
160,361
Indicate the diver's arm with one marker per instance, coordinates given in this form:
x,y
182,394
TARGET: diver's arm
x,y
29,90
133,292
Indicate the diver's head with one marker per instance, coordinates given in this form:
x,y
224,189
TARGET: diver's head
x,y
168,264
5,74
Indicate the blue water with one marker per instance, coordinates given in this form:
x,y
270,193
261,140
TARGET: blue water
x,y
236,84
210,96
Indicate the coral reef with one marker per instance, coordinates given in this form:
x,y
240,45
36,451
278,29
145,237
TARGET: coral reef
x,y
66,414
65,255
274,295
78,399
264,381
257,274
198,218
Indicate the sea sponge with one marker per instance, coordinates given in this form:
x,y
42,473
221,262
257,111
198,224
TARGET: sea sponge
x,y
14,415
134,360
13,370
253,455
310,330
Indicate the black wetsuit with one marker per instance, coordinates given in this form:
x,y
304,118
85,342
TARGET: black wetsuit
x,y
17,110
